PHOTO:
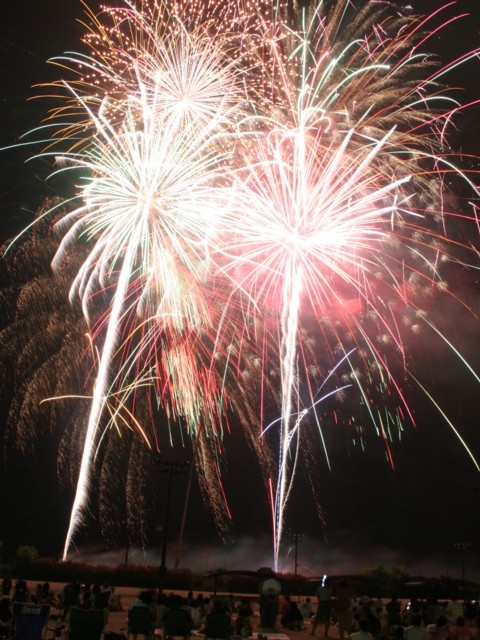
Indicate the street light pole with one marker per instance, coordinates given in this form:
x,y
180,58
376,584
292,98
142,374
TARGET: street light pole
x,y
462,547
296,537
178,553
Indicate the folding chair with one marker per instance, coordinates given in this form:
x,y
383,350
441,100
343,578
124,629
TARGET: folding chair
x,y
177,622
85,624
218,625
140,622
5,616
29,621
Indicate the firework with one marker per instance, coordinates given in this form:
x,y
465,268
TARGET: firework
x,y
251,180
45,355
150,230
324,199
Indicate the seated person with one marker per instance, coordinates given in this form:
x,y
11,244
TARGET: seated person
x,y
292,618
306,609
459,630
438,630
177,620
218,623
243,625
363,632
161,609
114,602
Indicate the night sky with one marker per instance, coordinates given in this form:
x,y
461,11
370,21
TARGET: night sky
x,y
410,515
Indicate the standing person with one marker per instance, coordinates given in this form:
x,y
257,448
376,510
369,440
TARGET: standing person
x,y
394,614
433,611
269,596
6,586
20,592
471,612
454,610
324,607
342,609
70,597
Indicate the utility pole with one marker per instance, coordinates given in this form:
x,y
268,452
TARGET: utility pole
x,y
171,469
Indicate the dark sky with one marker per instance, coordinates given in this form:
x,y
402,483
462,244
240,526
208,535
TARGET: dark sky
x,y
411,515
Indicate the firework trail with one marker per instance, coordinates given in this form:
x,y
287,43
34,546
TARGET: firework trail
x,y
307,215
240,170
